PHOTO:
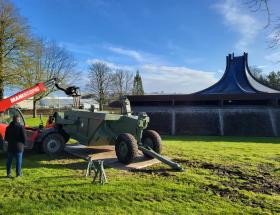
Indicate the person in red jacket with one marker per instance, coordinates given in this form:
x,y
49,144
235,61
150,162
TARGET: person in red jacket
x,y
15,135
50,122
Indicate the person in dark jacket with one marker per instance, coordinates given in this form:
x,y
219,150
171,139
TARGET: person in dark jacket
x,y
15,136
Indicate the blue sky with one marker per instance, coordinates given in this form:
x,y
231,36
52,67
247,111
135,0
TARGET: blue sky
x,y
178,46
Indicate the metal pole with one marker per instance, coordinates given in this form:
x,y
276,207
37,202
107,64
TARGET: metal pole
x,y
153,154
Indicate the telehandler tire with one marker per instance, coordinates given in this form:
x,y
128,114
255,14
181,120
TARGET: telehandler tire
x,y
53,143
152,139
126,148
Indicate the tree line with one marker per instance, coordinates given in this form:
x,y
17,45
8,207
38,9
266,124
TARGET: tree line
x,y
271,79
108,84
26,60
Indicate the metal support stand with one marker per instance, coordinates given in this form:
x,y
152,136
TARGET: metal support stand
x,y
98,169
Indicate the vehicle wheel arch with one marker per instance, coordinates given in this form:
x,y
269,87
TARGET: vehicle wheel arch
x,y
49,131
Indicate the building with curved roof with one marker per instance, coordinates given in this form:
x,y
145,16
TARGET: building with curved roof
x,y
238,104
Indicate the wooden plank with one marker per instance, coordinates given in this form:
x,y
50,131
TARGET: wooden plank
x,y
108,155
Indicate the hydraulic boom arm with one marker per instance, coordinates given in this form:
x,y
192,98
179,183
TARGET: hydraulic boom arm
x,y
38,88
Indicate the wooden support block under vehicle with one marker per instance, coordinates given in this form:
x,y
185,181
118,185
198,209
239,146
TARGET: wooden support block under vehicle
x,y
108,155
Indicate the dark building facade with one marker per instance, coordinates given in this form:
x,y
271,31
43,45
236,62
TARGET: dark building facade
x,y
237,105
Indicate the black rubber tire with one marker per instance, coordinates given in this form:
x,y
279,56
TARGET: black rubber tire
x,y
53,143
126,148
152,139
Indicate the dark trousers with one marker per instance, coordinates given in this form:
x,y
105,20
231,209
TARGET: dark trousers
x,y
18,156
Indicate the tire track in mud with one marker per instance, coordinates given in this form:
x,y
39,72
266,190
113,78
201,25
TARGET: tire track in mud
x,y
62,196
258,181
41,195
255,181
181,198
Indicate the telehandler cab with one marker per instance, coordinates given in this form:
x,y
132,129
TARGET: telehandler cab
x,y
39,137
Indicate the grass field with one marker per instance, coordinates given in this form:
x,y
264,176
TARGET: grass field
x,y
35,121
224,175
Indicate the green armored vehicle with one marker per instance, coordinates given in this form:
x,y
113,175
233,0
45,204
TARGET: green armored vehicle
x,y
125,131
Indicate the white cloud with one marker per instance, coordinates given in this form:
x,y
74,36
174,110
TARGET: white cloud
x,y
139,57
237,19
95,60
274,57
169,79
157,74
262,66
112,65
172,79
127,52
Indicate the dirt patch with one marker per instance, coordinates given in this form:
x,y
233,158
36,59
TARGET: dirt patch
x,y
223,192
235,196
258,182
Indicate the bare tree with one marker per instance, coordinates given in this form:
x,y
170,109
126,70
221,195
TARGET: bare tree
x,y
47,60
14,34
257,72
275,35
99,82
259,75
122,81
257,5
263,5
